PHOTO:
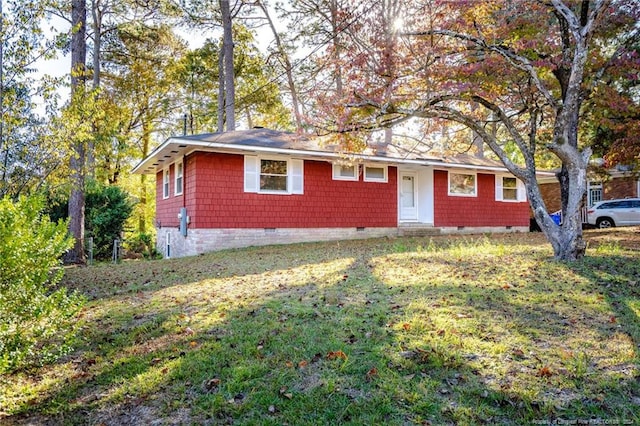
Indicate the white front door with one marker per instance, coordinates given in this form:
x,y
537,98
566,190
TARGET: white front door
x,y
408,197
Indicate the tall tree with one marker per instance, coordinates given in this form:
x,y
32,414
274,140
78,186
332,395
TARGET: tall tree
x,y
140,62
229,77
78,156
285,61
528,66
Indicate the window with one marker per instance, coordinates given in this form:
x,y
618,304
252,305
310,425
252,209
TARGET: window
x,y
375,173
462,184
165,183
345,172
273,175
626,204
509,188
179,178
594,193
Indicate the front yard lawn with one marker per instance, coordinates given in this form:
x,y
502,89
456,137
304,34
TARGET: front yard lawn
x,y
427,331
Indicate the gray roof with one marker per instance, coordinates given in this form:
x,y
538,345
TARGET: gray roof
x,y
267,141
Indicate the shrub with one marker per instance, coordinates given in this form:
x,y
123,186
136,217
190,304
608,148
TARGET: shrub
x,y
142,243
107,209
37,321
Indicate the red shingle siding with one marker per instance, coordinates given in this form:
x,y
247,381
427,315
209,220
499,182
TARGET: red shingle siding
x,y
167,209
218,187
482,210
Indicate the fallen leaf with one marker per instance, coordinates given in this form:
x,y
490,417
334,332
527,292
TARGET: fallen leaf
x,y
612,319
193,343
302,364
289,364
372,373
545,372
336,355
212,385
406,326
518,353
284,393
189,331
440,332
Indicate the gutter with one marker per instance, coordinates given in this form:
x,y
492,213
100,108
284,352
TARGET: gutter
x,y
184,143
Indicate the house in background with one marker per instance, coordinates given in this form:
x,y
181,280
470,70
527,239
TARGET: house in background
x,y
257,187
602,184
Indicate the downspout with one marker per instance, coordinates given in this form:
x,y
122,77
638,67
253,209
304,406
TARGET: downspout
x,y
184,216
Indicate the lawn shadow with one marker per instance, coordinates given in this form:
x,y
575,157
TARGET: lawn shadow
x,y
320,338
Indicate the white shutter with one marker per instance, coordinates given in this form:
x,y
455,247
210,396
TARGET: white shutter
x,y
498,188
296,176
522,191
251,174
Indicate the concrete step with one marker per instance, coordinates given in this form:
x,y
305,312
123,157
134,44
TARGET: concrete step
x,y
417,230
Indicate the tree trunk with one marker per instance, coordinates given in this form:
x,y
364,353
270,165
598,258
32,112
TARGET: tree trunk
x,y
146,143
288,68
227,47
249,117
335,30
96,13
221,89
77,162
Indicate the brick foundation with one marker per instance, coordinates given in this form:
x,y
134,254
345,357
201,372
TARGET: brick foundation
x,y
206,240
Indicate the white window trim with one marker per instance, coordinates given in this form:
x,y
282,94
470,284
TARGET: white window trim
x,y
295,175
521,193
337,168
166,181
175,183
456,194
385,168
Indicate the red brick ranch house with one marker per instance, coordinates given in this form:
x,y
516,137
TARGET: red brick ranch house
x,y
257,187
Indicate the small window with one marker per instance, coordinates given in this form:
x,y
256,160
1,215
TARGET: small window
x,y
273,175
462,184
179,178
375,173
345,172
165,183
509,188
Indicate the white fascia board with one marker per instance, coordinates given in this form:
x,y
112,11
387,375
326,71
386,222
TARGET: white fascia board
x,y
192,145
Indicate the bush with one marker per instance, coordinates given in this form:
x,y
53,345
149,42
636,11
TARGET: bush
x,y
107,209
37,321
142,244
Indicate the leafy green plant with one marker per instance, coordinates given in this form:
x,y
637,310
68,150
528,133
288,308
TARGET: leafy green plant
x,y
37,321
108,207
142,243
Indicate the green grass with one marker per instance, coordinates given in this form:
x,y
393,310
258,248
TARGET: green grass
x,y
457,330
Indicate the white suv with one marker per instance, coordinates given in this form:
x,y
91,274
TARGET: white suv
x,y
622,212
